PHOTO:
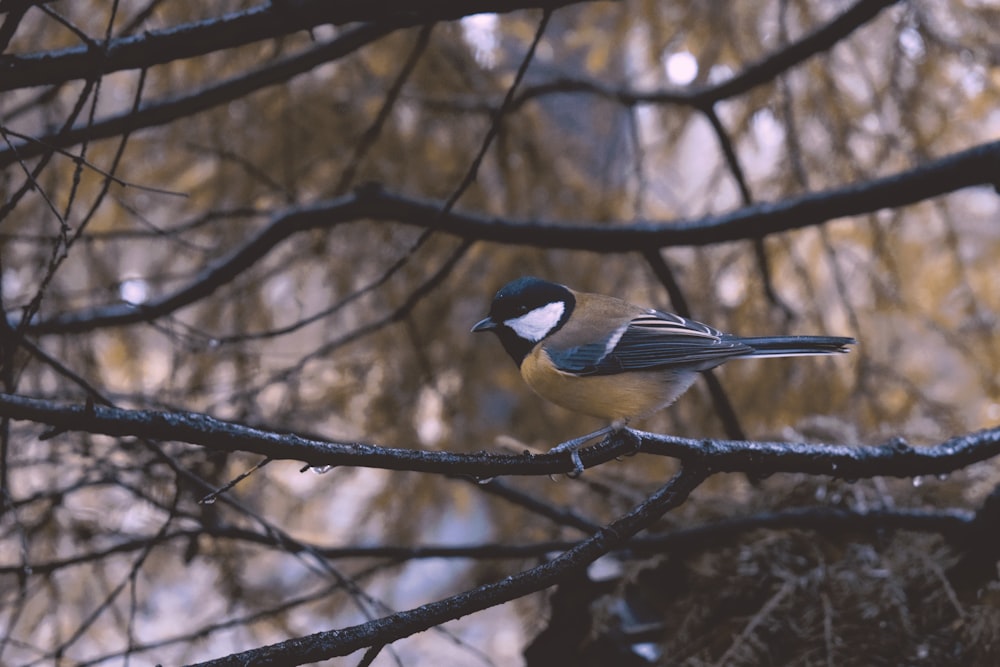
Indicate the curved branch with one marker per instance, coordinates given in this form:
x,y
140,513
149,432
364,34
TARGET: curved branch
x,y
952,524
975,166
979,165
894,459
166,111
759,73
152,48
265,21
323,645
161,112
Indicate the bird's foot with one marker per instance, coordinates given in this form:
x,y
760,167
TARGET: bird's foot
x,y
573,446
577,443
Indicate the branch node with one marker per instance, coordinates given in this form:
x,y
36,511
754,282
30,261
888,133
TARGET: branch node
x,y
50,433
898,445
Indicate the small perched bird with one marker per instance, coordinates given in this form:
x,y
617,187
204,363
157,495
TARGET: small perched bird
x,y
605,357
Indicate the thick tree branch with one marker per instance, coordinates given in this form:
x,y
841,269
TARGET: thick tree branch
x,y
265,21
161,112
165,111
894,459
323,645
979,165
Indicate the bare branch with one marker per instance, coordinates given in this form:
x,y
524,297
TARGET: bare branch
x,y
161,112
703,97
975,166
894,459
265,21
323,645
956,525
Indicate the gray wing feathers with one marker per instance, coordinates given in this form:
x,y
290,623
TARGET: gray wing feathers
x,y
654,340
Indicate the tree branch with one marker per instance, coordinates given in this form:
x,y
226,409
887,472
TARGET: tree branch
x,y
165,111
953,524
979,165
894,459
265,21
161,112
324,645
757,74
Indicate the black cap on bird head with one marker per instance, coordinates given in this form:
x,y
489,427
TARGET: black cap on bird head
x,y
526,310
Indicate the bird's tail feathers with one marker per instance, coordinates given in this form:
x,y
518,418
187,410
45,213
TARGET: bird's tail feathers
x,y
796,346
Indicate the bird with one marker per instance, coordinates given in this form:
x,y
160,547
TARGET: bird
x,y
605,357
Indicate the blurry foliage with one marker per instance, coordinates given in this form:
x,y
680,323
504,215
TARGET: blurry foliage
x,y
916,286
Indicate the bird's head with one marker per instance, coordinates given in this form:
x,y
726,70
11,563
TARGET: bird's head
x,y
525,311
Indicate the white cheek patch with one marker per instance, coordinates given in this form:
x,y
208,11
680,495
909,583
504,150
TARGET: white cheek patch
x,y
536,324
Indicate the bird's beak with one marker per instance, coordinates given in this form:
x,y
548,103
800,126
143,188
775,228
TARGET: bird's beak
x,y
485,324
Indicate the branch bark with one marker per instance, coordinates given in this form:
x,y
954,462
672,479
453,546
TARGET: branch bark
x,y
893,459
265,21
163,111
147,50
331,643
979,165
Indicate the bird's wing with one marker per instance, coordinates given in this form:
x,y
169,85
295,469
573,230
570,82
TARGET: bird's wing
x,y
651,340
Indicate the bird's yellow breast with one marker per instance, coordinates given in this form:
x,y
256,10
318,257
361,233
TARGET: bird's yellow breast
x,y
619,397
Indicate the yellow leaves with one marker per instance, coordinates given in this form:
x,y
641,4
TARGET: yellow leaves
x,y
382,62
598,56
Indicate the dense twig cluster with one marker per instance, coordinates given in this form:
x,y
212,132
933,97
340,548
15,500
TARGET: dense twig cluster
x,y
174,459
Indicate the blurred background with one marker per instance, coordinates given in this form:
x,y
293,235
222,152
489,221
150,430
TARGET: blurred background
x,y
127,187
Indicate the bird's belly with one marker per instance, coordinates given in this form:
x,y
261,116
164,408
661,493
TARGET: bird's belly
x,y
619,397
